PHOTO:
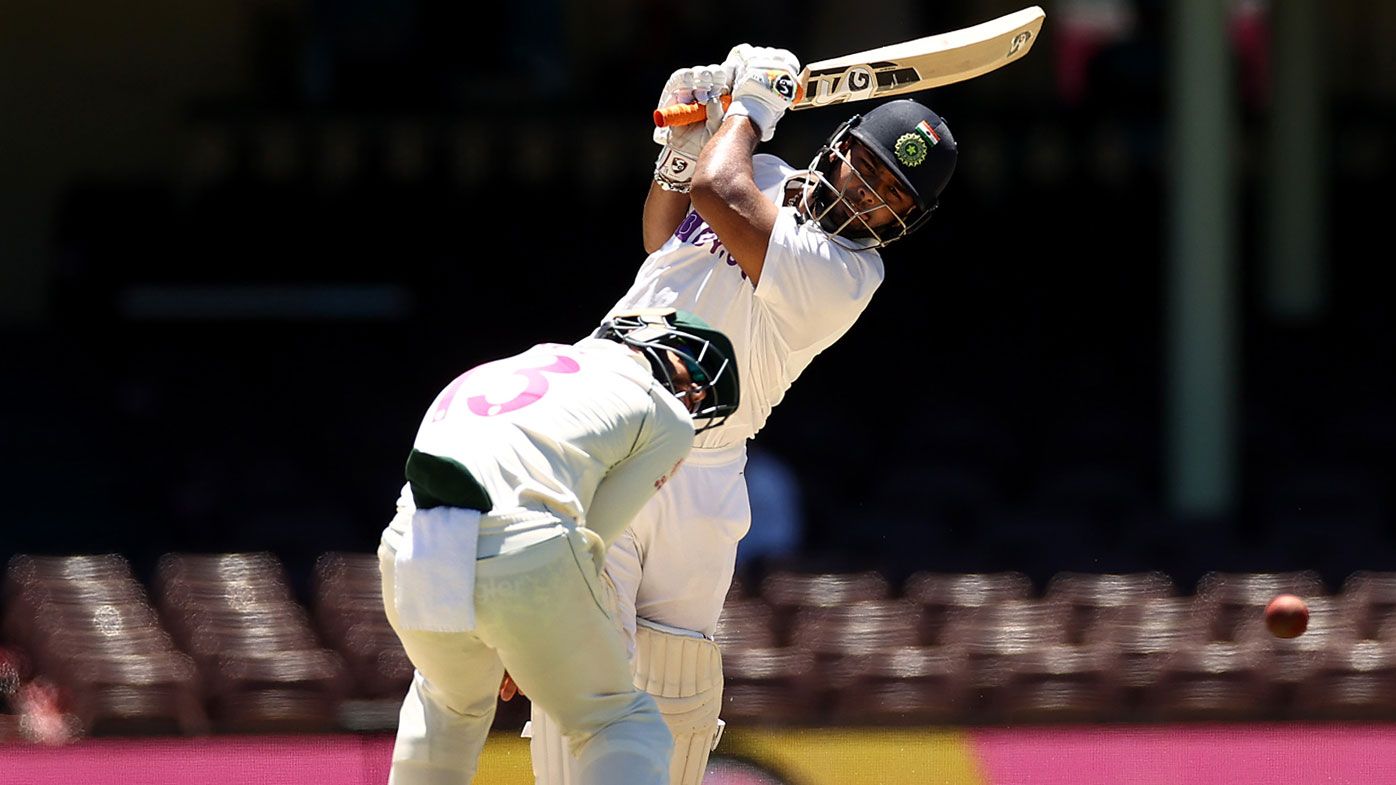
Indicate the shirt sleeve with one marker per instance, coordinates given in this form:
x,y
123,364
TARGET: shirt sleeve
x,y
665,439
813,287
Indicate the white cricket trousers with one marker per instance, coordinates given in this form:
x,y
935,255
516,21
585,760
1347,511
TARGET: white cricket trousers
x,y
675,562
540,613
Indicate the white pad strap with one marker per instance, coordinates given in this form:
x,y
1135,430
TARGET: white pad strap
x,y
683,671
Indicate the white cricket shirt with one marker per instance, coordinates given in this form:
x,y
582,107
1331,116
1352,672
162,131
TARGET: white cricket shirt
x,y
811,292
582,430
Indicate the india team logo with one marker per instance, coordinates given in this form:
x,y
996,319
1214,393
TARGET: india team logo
x,y
911,148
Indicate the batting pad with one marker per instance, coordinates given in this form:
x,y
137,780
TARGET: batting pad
x,y
682,670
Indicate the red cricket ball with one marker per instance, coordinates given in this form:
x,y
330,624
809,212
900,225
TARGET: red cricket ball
x,y
1287,616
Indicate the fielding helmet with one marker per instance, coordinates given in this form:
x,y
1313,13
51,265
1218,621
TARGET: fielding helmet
x,y
704,351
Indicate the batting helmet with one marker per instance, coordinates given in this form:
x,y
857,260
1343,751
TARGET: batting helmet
x,y
911,141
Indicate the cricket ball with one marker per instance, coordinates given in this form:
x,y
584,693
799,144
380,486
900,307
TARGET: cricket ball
x,y
1287,616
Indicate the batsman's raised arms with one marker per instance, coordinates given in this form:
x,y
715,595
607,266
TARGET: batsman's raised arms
x,y
888,71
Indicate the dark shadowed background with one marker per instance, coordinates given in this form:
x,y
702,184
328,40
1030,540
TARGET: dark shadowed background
x,y
244,242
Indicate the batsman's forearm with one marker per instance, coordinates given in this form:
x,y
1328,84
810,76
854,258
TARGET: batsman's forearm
x,y
664,211
724,169
725,194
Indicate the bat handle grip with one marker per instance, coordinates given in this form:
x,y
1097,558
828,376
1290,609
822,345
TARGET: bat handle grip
x,y
685,114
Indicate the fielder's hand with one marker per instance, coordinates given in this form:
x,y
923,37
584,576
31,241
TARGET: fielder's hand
x,y
705,84
764,86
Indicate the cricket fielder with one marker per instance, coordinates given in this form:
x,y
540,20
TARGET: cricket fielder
x,y
522,472
783,261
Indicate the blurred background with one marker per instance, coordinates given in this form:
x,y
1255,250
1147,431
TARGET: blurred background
x,y
245,242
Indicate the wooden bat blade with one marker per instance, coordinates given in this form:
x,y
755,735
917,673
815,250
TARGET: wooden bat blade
x,y
933,61
922,64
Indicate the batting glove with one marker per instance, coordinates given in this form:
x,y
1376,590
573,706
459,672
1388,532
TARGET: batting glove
x,y
764,87
707,84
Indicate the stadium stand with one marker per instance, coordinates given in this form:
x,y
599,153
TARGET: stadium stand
x,y
1371,599
771,685
1094,600
747,624
228,646
96,638
945,597
1058,683
789,590
1211,681
1352,682
263,664
904,685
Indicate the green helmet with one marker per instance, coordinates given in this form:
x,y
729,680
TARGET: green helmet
x,y
704,351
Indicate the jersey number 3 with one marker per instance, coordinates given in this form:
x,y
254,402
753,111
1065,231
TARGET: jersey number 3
x,y
499,379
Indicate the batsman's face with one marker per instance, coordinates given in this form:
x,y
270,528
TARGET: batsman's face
x,y
869,189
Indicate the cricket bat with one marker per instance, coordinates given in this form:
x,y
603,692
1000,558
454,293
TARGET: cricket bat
x,y
928,62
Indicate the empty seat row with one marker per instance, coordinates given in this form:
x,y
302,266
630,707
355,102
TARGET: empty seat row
x,y
90,628
951,684
217,643
265,666
790,588
221,642
853,612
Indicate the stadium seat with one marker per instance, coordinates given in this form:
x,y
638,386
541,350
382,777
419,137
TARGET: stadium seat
x,y
290,691
904,685
259,569
944,597
39,589
788,590
770,686
1059,683
1228,598
1353,681
94,635
136,694
1092,599
747,624
1370,597
1211,681
995,637
856,627
78,568
852,630
263,664
347,597
1139,639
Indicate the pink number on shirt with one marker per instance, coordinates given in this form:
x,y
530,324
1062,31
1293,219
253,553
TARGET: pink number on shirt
x,y
493,376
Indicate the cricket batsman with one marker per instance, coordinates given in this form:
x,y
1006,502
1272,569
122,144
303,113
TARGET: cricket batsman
x,y
783,261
